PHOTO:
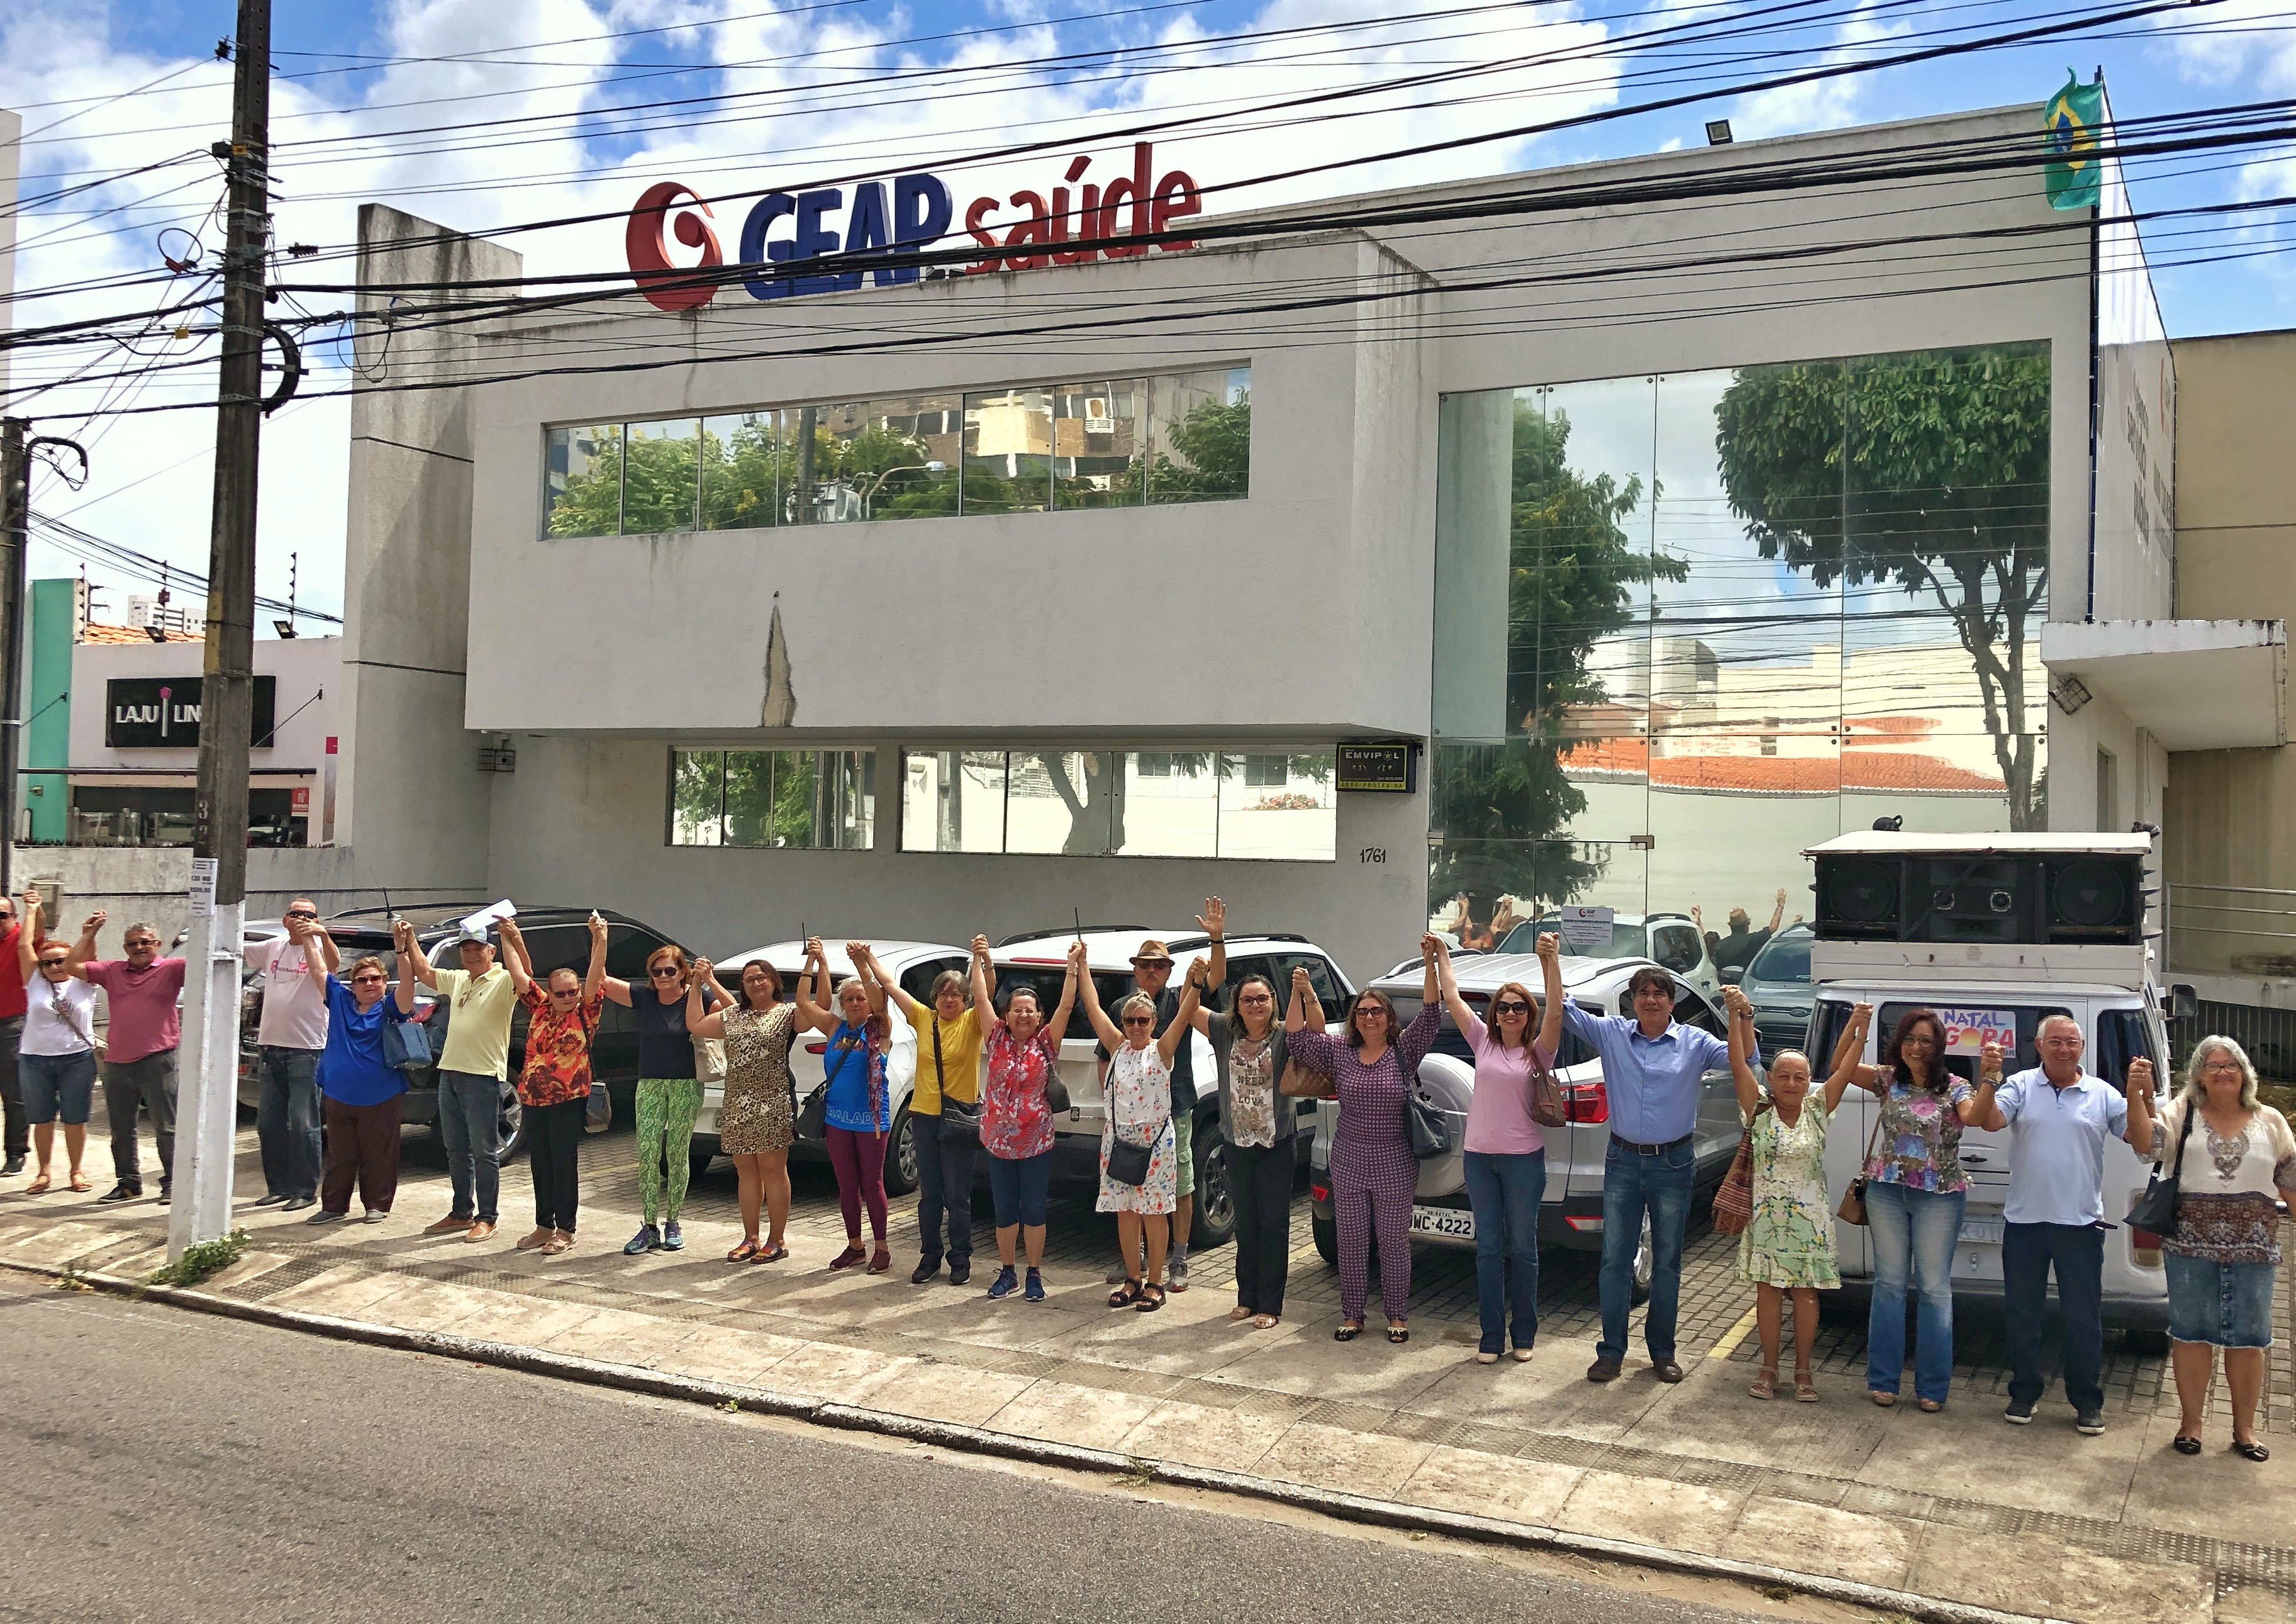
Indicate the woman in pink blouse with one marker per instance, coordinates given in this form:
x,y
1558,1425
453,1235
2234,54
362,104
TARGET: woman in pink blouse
x,y
1506,1154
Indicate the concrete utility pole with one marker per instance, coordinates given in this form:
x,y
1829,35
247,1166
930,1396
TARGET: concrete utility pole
x,y
15,533
208,1079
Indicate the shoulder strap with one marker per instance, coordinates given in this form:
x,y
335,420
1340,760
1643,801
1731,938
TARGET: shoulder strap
x,y
940,1079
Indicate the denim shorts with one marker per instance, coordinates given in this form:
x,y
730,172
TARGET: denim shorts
x,y
2226,1305
58,1086
1018,1184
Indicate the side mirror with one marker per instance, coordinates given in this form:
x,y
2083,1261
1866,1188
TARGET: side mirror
x,y
1732,974
2184,1002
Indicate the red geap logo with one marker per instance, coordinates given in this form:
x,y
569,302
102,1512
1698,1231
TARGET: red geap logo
x,y
1069,227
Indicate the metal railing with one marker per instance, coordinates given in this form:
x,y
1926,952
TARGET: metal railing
x,y
2232,929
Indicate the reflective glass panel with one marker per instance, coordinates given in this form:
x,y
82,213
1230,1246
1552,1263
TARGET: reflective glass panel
x,y
582,480
1098,431
697,787
1168,805
1200,436
661,479
1278,808
749,798
901,461
1008,446
953,801
1059,802
744,473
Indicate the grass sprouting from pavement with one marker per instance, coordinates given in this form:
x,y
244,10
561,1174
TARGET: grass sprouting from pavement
x,y
201,1260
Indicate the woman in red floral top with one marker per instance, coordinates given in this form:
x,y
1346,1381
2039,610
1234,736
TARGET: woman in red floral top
x,y
1016,1120
553,1086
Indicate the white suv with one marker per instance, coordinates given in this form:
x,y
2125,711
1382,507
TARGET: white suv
x,y
1039,960
1571,1213
1671,940
914,967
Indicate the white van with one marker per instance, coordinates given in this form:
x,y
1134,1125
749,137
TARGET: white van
x,y
2004,986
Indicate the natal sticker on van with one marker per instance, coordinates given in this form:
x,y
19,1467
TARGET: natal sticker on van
x,y
1967,1031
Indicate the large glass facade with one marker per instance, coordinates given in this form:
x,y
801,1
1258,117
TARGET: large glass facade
x,y
791,799
1688,625
1108,442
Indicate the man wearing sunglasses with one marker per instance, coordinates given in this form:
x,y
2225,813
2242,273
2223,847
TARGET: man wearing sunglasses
x,y
289,1037
473,1064
13,1005
143,994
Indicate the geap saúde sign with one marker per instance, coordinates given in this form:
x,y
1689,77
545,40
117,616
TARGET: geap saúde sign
x,y
912,217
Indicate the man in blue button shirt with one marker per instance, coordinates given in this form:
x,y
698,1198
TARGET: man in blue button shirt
x,y
1654,1071
2059,1117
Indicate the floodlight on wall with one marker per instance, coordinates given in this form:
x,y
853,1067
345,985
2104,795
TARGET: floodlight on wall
x,y
285,628
1717,132
2068,693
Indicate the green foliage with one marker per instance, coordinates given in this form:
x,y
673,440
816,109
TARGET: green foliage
x,y
744,475
1505,809
591,504
1214,441
657,482
1928,471
201,1260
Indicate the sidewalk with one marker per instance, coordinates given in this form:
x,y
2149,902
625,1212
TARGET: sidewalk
x,y
1956,1507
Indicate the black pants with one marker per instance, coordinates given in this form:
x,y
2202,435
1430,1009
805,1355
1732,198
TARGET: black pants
x,y
554,1133
149,1082
944,1185
1259,1181
2077,1252
17,1140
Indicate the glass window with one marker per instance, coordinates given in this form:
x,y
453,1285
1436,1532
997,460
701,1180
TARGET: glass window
x,y
582,480
660,483
794,799
744,473
1058,802
1008,446
749,798
697,796
953,801
1098,429
902,462
1168,805
1290,816
1199,445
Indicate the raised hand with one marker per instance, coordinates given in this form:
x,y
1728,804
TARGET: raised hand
x,y
813,949
1299,982
1862,1014
1433,946
94,923
1077,955
2140,1076
1213,919
703,971
402,935
1198,968
1989,1061
981,947
597,928
1550,947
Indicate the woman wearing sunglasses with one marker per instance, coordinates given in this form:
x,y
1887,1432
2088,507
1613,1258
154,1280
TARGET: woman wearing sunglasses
x,y
1506,1153
56,1054
669,1094
359,1091
1138,1094
858,1113
1373,1172
553,1089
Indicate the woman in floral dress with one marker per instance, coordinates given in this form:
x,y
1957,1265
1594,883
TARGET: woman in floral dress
x,y
1138,1100
757,1118
1788,1246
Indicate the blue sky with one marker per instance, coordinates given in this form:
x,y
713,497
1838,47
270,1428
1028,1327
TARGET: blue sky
x,y
459,64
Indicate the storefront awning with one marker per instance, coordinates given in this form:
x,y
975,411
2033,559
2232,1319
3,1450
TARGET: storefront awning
x,y
2192,684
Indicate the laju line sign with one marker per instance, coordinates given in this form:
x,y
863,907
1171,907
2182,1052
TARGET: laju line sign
x,y
909,214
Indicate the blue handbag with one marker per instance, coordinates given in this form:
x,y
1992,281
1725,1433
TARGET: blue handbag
x,y
406,1045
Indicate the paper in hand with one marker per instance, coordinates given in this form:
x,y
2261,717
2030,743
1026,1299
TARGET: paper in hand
x,y
476,927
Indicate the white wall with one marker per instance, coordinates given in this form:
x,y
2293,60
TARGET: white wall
x,y
303,715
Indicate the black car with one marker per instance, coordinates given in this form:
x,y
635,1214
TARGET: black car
x,y
556,937
1778,985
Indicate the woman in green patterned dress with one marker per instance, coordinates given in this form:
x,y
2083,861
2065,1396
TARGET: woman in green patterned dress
x,y
1788,1245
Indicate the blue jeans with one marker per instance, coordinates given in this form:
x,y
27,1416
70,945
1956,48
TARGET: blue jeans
x,y
2077,1252
1504,1190
1914,1232
287,1119
1632,1184
944,1188
469,1118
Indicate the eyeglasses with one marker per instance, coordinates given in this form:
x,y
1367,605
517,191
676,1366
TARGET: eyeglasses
x,y
54,964
1255,998
1367,1011
1923,1038
664,973
2232,1066
1139,1020
299,914
565,992
370,976
1510,1006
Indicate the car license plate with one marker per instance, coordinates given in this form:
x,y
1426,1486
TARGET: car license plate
x,y
1986,1232
1447,1221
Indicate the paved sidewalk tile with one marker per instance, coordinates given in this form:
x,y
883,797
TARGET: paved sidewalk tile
x,y
1194,1435
1491,1485
1090,1417
1334,1457
1821,1539
2035,1573
1676,1517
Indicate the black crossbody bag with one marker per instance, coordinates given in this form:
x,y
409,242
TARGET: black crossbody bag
x,y
959,1122
2155,1212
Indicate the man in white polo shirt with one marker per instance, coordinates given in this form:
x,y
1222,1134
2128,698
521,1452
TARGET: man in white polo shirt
x,y
288,1044
2059,1119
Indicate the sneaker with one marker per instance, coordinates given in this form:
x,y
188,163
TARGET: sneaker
x,y
272,1200
646,1239
324,1216
673,1238
1036,1290
2019,1413
375,1215
1115,1276
1175,1273
2089,1423
926,1268
13,1166
167,1191
122,1192
1005,1284
960,1272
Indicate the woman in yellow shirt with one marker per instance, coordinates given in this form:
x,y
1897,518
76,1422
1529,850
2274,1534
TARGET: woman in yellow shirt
x,y
944,1112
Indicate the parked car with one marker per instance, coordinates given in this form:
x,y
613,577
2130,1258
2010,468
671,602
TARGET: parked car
x,y
1571,1214
1668,940
914,967
1039,960
1778,982
556,937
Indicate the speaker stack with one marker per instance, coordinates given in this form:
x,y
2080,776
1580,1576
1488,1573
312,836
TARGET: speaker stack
x,y
1989,898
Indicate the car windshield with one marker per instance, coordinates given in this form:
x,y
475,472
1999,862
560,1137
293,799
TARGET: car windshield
x,y
1784,958
1626,941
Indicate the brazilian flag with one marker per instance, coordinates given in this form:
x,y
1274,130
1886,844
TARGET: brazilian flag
x,y
2075,122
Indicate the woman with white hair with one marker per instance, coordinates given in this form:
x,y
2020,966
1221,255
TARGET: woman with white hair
x,y
1787,1246
2234,1159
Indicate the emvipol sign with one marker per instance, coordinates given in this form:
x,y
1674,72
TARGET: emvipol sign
x,y
908,213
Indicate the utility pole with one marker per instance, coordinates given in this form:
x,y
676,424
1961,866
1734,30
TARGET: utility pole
x,y
207,1083
15,532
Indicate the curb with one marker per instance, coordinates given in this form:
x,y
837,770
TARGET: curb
x,y
1009,1446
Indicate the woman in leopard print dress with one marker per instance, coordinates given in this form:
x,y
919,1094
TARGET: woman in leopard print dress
x,y
757,1119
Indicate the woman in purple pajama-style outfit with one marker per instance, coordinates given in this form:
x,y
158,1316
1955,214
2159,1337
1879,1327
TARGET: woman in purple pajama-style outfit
x,y
1373,1173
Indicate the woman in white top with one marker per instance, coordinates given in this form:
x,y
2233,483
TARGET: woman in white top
x,y
57,1054
2238,1160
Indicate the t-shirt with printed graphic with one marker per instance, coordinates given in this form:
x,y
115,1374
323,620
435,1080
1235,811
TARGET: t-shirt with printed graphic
x,y
557,1046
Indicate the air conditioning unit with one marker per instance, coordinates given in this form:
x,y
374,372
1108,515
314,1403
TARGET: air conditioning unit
x,y
1982,889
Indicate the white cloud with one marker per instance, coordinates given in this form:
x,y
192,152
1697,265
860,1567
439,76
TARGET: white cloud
x,y
1822,104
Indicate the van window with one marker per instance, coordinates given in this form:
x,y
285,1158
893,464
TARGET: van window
x,y
2028,1018
2122,1035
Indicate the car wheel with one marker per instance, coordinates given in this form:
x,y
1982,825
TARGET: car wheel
x,y
901,1155
1640,1294
2147,1344
510,1130
697,1162
1326,1232
1213,1223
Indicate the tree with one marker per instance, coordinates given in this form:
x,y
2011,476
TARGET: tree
x,y
1214,441
1505,809
1930,469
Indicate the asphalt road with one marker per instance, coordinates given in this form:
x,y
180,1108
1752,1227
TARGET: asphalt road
x,y
170,1467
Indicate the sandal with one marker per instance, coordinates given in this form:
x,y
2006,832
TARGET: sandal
x,y
81,1182
1239,1312
1930,1407
1399,1334
1126,1296
742,1253
1265,1322
1151,1298
1805,1390
1881,1396
38,1186
558,1244
773,1252
1347,1332
1766,1384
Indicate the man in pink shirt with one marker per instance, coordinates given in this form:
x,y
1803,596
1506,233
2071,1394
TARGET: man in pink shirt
x,y
16,1136
139,1047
